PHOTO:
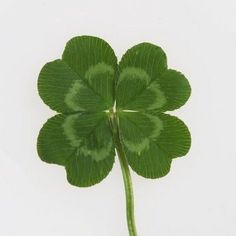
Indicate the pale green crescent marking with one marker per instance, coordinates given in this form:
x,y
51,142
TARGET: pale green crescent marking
x,y
72,95
137,148
78,142
99,79
100,68
134,73
160,99
70,131
98,154
158,126
138,89
145,142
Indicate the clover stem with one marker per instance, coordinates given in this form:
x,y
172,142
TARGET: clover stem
x,y
126,175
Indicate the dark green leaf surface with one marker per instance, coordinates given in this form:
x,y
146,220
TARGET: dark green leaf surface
x,y
176,89
147,57
84,53
84,171
81,138
151,163
53,146
175,138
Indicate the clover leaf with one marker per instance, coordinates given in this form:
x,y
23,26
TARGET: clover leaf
x,y
104,106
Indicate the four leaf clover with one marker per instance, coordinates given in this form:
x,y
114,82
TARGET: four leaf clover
x,y
87,87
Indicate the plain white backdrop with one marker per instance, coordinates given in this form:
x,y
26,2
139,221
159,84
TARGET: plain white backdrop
x,y
197,197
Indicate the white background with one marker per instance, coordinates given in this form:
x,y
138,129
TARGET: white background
x,y
197,198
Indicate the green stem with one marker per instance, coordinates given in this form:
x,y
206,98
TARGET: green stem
x,y
126,175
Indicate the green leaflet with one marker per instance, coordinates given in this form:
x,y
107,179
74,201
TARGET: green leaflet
x,y
80,82
145,83
91,151
151,142
88,86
